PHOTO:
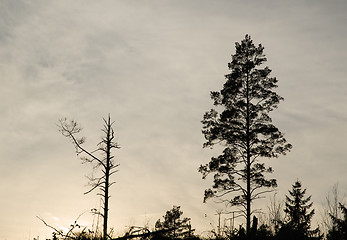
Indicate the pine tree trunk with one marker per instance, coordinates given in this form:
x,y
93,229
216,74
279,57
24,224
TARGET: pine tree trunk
x,y
248,198
248,167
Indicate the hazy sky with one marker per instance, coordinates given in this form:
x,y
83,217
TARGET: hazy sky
x,y
151,65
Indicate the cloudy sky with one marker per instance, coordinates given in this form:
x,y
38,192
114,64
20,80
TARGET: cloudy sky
x,y
151,65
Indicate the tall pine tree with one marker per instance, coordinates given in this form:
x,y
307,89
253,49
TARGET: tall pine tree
x,y
245,129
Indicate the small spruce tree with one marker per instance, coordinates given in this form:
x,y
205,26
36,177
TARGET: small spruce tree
x,y
299,215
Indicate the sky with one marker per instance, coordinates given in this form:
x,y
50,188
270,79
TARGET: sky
x,y
151,65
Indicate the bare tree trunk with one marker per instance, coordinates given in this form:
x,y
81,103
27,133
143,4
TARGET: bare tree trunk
x,y
107,174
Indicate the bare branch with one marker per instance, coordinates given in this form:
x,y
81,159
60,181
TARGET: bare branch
x,y
47,225
69,131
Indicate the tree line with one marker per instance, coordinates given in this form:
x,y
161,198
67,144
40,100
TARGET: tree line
x,y
242,125
287,220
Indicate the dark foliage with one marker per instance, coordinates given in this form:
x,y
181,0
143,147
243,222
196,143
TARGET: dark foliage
x,y
179,227
264,233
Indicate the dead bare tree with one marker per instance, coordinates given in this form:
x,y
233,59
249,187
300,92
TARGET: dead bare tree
x,y
101,159
274,215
